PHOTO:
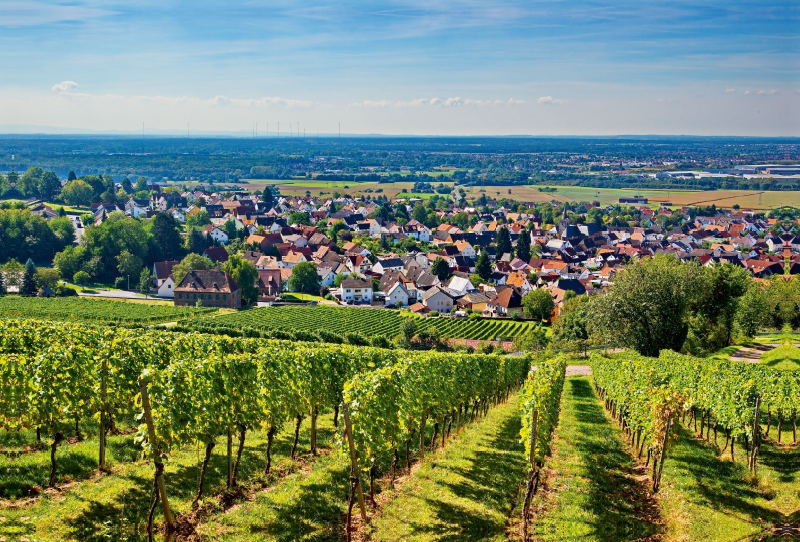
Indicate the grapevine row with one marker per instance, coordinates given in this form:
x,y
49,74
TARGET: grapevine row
x,y
541,405
646,395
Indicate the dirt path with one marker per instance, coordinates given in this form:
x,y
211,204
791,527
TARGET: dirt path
x,y
752,354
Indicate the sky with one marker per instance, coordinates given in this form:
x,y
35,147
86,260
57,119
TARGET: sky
x,y
434,67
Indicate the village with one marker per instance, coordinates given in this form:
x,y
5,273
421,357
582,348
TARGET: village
x,y
371,253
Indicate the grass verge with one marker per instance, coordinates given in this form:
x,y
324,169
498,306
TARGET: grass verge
x,y
592,490
463,492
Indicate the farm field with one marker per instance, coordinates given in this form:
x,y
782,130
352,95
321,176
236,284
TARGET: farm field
x,y
363,321
746,199
87,309
298,187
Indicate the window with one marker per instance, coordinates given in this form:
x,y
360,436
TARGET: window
x,y
217,297
194,296
224,297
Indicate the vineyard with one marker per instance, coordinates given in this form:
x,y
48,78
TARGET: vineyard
x,y
191,390
649,396
364,322
110,432
83,309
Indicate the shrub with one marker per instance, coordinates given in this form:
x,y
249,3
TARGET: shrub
x,y
81,278
120,282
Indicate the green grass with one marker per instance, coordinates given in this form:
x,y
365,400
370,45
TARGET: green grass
x,y
309,494
707,497
465,491
594,493
786,357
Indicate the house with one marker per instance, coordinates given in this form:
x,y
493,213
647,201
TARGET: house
x,y
292,259
167,288
437,299
386,264
459,286
356,290
217,234
473,300
326,276
211,288
162,270
397,293
268,284
506,302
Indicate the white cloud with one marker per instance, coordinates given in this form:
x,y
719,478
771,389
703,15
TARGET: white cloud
x,y
747,92
437,102
16,14
766,91
549,100
730,90
65,86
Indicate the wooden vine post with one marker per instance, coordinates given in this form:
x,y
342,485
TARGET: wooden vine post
x,y
657,477
104,398
756,438
151,433
355,481
533,476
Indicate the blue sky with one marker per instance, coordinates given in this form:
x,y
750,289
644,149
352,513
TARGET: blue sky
x,y
403,67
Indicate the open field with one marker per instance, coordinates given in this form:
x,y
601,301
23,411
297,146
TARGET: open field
x,y
299,187
747,199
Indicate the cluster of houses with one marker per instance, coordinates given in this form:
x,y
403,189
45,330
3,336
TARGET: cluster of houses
x,y
566,257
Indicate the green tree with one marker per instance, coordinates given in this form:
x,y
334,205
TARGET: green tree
x,y
70,260
483,267
106,241
198,220
298,218
538,305
440,268
419,213
196,241
81,278
2,284
524,246
191,261
46,276
141,185
129,265
752,311
245,274
267,199
503,242
647,307
166,234
63,229
714,309
48,185
25,235
28,184
569,329
29,279
305,278
77,193
408,329
71,176
145,282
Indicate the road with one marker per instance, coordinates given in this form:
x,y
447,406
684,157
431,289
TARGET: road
x,y
119,294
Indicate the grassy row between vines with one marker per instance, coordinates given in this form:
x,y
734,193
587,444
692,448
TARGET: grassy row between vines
x,y
304,499
595,490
